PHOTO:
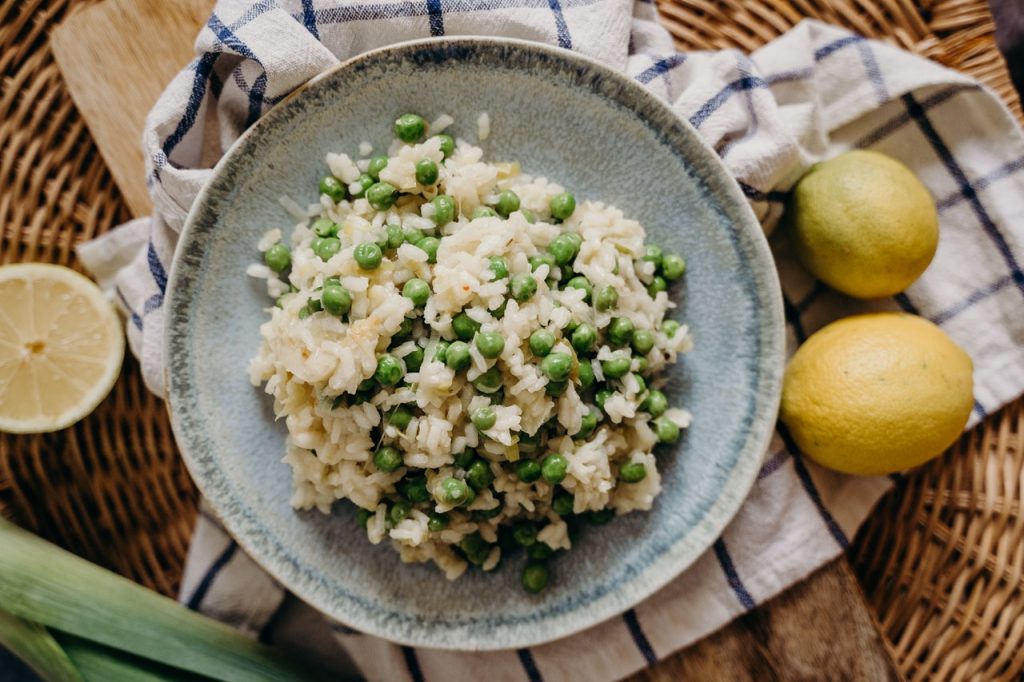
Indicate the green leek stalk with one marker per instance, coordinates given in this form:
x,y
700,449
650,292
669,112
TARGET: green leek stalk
x,y
42,583
98,663
37,648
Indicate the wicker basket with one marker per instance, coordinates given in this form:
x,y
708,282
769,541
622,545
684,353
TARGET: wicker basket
x,y
942,560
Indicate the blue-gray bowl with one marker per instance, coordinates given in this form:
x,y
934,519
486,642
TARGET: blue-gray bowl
x,y
602,136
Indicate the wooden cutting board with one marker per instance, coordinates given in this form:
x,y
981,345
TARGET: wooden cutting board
x,y
117,57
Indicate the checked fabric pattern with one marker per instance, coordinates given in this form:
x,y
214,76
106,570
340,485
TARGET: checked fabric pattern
x,y
812,93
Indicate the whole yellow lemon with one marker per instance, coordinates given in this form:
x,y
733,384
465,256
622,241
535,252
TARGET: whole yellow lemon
x,y
877,393
863,224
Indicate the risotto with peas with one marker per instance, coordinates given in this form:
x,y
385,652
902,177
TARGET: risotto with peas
x,y
467,354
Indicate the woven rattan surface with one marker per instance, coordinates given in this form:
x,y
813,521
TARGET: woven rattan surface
x,y
942,560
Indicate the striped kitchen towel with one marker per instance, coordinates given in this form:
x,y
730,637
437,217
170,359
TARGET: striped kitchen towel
x,y
810,94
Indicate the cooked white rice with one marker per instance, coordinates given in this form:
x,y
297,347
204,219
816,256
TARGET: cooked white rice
x,y
314,363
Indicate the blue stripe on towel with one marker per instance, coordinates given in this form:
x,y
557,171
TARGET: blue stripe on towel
x,y
639,638
733,578
196,600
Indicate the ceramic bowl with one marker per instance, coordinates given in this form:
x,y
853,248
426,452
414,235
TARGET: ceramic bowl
x,y
602,136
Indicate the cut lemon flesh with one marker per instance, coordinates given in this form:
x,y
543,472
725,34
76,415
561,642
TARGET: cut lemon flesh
x,y
61,347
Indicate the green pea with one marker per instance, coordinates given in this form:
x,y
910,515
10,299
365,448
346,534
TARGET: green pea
x,y
535,577
527,443
642,341
641,364
479,475
411,235
508,202
499,266
404,331
617,365
394,236
455,492
417,291
620,331
524,533
582,283
441,354
669,328
539,551
389,370
554,468
632,472
672,266
410,127
437,522
523,287
583,338
316,243
527,470
576,238
487,513
657,285
666,430
556,388
400,417
414,360
430,245
587,425
475,548
324,227
415,489
655,403
607,298
314,305
601,396
570,327
563,248
640,382
332,187
278,257
601,516
562,503
585,375
483,212
368,256
562,205
426,172
377,164
464,326
444,209
447,144
530,216
541,342
382,195
484,418
489,381
399,511
465,458
366,385
490,344
541,259
652,254
387,459
363,182
556,366
457,357
336,299
363,517
327,248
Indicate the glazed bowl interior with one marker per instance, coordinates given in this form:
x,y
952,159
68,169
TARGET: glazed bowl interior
x,y
563,117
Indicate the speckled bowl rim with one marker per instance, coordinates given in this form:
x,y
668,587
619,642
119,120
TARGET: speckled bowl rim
x,y
243,523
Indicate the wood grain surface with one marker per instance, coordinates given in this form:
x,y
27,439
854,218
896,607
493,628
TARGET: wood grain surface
x,y
118,55
116,58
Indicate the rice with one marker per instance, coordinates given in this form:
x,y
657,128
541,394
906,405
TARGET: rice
x,y
397,405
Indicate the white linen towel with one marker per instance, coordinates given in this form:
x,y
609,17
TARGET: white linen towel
x,y
809,95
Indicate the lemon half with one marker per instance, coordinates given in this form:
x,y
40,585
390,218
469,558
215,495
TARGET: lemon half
x,y
61,347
